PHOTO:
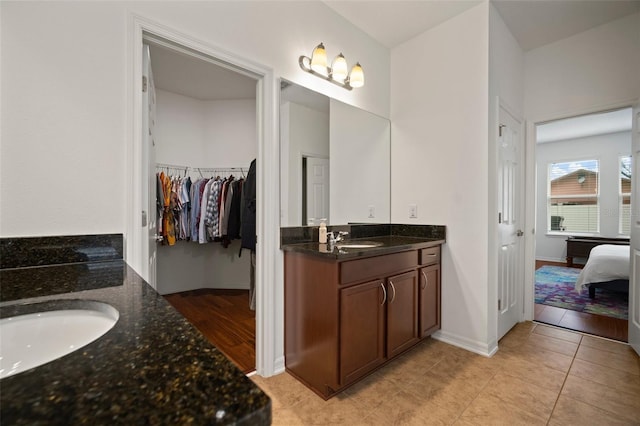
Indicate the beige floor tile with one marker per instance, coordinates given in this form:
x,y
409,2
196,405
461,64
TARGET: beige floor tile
x,y
553,344
558,333
407,409
490,410
371,391
628,362
513,364
453,393
514,339
623,404
521,393
569,411
285,417
610,377
284,390
335,411
541,357
607,345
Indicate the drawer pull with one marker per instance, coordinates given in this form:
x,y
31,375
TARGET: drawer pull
x,y
384,292
394,291
432,254
425,280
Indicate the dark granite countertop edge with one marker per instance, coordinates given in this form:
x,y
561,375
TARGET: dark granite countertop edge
x,y
401,244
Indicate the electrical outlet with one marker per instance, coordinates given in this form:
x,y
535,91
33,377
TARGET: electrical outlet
x,y
372,212
413,211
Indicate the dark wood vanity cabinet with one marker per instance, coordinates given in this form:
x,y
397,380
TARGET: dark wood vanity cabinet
x,y
344,319
429,291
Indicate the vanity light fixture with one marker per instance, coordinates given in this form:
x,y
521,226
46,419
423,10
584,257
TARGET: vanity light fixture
x,y
337,73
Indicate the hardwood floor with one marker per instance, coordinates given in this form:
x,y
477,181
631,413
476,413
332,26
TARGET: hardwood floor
x,y
224,318
598,325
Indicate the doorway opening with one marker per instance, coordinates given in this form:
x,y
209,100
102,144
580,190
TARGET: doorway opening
x,y
583,200
200,158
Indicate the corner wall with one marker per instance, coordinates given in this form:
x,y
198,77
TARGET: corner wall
x,y
439,115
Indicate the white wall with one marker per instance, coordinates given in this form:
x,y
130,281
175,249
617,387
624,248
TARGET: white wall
x,y
197,133
605,148
439,116
592,69
506,88
65,110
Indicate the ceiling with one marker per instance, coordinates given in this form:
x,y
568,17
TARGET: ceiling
x,y
391,22
585,125
533,23
190,76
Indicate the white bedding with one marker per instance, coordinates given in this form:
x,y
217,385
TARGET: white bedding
x,y
606,262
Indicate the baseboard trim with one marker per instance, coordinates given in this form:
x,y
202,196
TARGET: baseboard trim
x,y
475,346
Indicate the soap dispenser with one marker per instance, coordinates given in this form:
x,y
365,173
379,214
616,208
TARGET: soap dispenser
x,y
322,232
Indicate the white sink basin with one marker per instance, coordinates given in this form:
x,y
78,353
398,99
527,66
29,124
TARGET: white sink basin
x,y
30,340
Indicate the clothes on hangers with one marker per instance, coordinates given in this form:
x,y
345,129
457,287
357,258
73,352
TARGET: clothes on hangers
x,y
200,211
248,216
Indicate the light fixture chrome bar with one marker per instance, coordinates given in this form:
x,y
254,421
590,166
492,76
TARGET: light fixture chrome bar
x,y
306,66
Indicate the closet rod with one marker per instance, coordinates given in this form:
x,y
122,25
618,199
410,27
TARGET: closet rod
x,y
200,170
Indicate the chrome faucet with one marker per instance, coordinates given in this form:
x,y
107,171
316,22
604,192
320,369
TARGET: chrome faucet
x,y
336,236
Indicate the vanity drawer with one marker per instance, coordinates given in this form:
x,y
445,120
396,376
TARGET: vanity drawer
x,y
377,267
429,256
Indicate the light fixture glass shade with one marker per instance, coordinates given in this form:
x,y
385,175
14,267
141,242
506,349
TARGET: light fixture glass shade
x,y
319,59
356,78
339,68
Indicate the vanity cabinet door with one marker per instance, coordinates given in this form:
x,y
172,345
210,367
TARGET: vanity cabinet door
x,y
429,300
402,312
362,323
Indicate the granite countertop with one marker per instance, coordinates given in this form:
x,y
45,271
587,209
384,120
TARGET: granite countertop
x,y
152,367
388,244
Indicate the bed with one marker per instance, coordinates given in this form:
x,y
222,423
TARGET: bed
x,y
607,268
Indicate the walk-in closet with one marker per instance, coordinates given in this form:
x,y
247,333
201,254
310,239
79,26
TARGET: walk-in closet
x,y
205,144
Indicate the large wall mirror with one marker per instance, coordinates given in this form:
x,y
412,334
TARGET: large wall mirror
x,y
335,161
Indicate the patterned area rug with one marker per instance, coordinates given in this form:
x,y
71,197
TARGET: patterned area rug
x,y
555,286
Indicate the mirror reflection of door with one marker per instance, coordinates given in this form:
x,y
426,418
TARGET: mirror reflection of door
x,y
315,192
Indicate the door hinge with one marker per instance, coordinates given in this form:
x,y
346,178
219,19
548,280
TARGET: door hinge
x,y
144,83
144,218
500,217
500,127
499,304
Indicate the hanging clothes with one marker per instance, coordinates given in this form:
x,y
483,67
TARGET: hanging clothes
x,y
248,232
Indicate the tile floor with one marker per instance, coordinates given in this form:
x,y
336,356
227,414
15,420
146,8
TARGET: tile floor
x,y
541,375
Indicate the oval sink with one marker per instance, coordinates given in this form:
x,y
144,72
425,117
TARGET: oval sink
x,y
34,339
358,245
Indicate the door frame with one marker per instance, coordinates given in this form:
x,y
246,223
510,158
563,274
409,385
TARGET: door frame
x,y
269,300
531,188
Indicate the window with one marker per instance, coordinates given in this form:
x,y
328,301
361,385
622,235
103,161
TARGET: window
x,y
573,197
624,191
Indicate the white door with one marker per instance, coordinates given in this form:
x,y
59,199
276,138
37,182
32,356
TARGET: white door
x,y
148,165
317,188
510,221
634,282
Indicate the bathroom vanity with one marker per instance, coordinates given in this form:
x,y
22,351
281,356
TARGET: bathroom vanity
x,y
152,367
351,308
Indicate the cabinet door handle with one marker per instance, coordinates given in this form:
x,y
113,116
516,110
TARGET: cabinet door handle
x,y
425,280
384,293
394,291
